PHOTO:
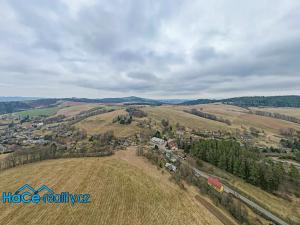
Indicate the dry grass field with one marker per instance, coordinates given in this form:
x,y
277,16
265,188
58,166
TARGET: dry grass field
x,y
239,117
242,120
282,110
175,114
3,156
103,122
121,192
73,109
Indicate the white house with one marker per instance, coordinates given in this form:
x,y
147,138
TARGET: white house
x,y
157,141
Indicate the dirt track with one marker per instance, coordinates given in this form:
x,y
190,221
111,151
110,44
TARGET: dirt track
x,y
216,212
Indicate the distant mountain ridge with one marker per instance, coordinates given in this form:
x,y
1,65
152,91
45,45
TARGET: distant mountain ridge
x,y
254,101
16,98
15,106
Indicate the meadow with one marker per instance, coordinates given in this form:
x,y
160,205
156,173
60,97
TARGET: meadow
x,y
50,111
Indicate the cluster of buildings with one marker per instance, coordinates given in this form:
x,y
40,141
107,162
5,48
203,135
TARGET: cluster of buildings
x,y
20,135
167,147
160,143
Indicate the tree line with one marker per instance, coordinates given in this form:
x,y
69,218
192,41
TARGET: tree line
x,y
40,153
208,116
132,111
276,116
123,119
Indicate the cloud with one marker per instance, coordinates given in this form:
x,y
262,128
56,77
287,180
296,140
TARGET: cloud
x,y
207,53
97,48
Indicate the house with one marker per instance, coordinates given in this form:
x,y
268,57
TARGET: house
x,y
171,144
171,167
157,141
215,183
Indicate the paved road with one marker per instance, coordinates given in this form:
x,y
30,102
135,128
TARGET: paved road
x,y
227,189
245,200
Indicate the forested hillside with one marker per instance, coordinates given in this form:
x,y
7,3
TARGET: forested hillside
x,y
272,101
244,163
262,101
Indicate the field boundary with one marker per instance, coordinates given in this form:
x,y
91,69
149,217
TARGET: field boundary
x,y
210,207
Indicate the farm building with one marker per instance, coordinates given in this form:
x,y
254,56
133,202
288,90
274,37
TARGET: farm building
x,y
157,141
215,183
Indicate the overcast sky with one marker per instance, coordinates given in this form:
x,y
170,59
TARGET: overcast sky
x,y
159,49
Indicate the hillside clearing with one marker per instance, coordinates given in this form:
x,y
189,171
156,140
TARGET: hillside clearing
x,y
103,122
175,115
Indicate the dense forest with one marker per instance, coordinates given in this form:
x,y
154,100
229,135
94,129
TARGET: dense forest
x,y
271,101
199,101
9,107
246,164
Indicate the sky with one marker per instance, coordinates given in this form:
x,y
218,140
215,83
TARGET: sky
x,y
155,49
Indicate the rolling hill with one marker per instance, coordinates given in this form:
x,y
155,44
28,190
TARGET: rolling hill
x,y
122,190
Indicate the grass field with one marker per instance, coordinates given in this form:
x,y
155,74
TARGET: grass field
x,y
241,119
175,114
39,112
282,110
103,122
74,109
121,193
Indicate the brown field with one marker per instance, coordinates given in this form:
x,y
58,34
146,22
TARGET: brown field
x,y
241,119
282,110
175,114
123,190
74,108
3,156
103,122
